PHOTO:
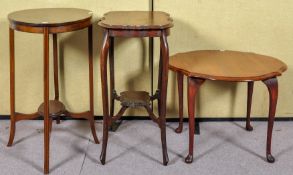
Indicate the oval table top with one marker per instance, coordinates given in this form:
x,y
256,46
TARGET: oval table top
x,y
136,20
227,65
49,17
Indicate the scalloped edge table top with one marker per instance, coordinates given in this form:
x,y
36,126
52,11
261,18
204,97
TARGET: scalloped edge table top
x,y
43,17
227,65
136,20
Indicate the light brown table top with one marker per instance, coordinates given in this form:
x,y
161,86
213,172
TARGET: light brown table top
x,y
227,65
135,20
49,16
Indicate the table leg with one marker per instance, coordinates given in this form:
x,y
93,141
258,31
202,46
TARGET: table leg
x,y
193,88
56,81
272,85
46,101
12,87
160,81
249,100
103,65
112,75
151,68
163,94
180,97
14,117
115,125
91,84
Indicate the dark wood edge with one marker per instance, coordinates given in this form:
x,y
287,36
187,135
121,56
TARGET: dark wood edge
x,y
155,27
135,27
137,33
11,21
57,29
233,79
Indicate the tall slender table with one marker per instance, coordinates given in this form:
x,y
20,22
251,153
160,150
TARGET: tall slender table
x,y
50,21
134,24
231,66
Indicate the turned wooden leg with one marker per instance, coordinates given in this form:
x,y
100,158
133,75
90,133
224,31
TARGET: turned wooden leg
x,y
249,100
46,101
103,65
163,94
55,62
193,88
91,84
180,97
12,87
272,85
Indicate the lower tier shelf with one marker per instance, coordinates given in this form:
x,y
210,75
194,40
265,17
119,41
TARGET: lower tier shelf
x,y
56,108
135,99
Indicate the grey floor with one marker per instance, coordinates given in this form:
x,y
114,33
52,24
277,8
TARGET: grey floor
x,y
223,148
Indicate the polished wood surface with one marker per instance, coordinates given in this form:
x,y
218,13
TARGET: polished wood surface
x,y
46,92
192,88
134,24
48,17
272,85
57,20
227,65
56,108
46,22
135,98
136,20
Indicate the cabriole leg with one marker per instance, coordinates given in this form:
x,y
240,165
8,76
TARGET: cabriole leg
x,y
163,95
272,85
193,88
103,64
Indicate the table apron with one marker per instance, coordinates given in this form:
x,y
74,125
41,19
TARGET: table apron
x,y
52,29
137,33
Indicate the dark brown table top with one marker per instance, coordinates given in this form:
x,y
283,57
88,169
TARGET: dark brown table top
x,y
227,65
49,16
136,20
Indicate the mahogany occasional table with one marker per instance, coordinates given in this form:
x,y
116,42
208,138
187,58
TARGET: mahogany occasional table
x,y
134,24
231,66
50,21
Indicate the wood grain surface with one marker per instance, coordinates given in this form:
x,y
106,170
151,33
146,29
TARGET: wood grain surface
x,y
136,20
49,16
227,65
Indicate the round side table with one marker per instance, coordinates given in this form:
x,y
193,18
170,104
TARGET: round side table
x,y
134,24
50,21
231,66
